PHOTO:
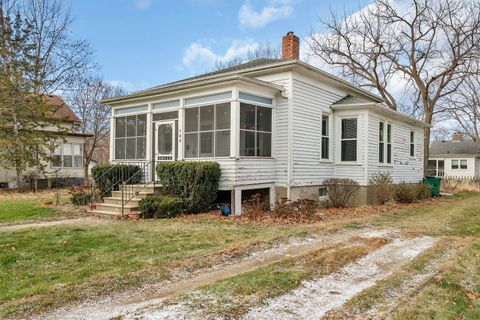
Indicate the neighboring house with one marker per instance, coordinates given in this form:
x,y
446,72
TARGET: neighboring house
x,y
456,158
280,126
67,164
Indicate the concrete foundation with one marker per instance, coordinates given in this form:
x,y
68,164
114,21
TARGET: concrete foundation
x,y
363,196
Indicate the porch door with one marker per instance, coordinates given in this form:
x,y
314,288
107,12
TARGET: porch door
x,y
165,141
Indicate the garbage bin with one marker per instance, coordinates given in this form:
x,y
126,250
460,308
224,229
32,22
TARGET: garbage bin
x,y
435,182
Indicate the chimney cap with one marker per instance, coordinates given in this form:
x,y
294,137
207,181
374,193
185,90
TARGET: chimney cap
x,y
290,33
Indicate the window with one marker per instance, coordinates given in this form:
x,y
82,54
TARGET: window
x,y
389,143
325,137
349,140
381,144
459,164
322,193
412,144
385,143
68,155
255,131
130,137
454,164
207,131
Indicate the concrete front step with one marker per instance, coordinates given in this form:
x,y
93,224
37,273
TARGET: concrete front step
x,y
116,208
104,214
118,200
141,194
141,188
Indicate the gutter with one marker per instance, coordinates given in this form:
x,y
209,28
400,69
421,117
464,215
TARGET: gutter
x,y
378,108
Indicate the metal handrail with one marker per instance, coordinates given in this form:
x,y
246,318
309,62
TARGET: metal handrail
x,y
129,194
118,180
94,183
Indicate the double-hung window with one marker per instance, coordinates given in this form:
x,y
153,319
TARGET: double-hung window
x,y
412,144
68,155
207,131
385,143
255,131
459,164
130,137
349,140
325,144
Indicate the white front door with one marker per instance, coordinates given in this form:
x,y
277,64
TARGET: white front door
x,y
165,141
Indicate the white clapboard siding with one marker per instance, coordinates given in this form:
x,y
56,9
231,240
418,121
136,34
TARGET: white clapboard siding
x,y
309,101
403,168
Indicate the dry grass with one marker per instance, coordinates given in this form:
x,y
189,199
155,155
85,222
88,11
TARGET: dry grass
x,y
457,186
231,298
43,195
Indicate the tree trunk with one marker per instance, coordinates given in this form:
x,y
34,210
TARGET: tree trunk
x,y
19,178
426,141
85,172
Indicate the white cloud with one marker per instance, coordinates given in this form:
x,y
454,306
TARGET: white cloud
x,y
274,10
129,86
199,57
143,4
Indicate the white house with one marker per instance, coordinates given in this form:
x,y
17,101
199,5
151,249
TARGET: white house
x,y
457,158
67,165
277,125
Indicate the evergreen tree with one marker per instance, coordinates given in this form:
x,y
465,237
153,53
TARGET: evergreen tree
x,y
27,126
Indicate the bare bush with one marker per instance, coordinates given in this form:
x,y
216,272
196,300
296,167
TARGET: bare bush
x,y
303,207
340,192
383,188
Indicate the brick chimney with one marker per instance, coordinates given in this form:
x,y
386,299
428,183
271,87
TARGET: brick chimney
x,y
290,46
457,136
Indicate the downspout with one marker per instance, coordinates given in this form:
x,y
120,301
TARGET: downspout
x,y
290,139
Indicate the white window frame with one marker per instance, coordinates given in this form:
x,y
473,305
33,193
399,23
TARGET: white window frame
x,y
357,138
263,105
329,136
114,136
73,155
385,142
459,164
213,131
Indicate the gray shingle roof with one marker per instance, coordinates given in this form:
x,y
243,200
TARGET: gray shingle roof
x,y
451,149
239,67
349,99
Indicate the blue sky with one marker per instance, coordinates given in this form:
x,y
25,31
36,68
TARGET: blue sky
x,y
142,43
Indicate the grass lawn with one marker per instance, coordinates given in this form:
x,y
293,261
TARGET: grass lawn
x,y
455,294
50,266
15,211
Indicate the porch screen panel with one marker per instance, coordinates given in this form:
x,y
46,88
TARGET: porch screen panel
x,y
130,137
207,131
255,131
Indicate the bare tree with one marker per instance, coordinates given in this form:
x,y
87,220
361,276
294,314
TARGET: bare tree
x,y
265,51
85,100
60,59
464,107
428,46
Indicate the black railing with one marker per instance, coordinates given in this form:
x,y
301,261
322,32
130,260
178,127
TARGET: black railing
x,y
142,179
113,179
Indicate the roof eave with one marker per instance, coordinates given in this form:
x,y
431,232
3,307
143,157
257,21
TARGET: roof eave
x,y
377,107
193,85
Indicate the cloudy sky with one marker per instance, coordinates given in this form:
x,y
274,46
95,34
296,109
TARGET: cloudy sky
x,y
142,43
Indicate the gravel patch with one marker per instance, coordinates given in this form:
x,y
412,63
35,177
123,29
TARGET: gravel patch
x,y
315,298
